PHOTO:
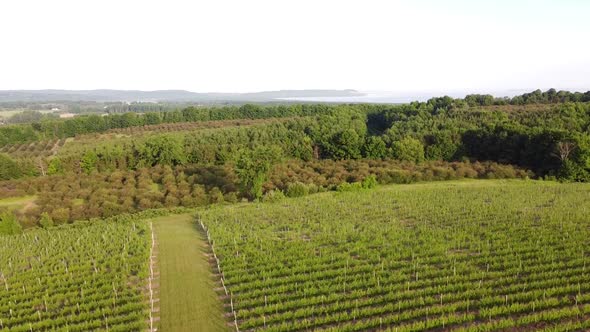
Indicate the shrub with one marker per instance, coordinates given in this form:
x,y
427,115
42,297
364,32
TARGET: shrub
x,y
45,220
273,196
231,197
345,186
215,196
369,182
62,215
297,189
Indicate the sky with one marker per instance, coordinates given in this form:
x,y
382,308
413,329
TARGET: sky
x,y
258,45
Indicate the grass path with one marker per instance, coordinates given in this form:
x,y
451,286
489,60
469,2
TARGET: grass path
x,y
188,301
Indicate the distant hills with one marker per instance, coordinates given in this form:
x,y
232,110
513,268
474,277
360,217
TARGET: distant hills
x,y
163,95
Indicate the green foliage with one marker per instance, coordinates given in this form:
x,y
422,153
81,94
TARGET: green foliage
x,y
408,149
9,169
441,146
9,225
253,167
216,196
273,196
346,186
61,215
46,221
374,148
369,182
297,189
346,145
572,171
161,150
339,134
479,100
55,166
88,162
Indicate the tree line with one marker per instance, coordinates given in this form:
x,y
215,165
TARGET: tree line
x,y
552,140
48,127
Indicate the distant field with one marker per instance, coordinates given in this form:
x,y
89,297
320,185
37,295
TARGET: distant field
x,y
188,301
462,256
8,113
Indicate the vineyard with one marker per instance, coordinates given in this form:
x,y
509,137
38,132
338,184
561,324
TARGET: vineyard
x,y
81,277
461,256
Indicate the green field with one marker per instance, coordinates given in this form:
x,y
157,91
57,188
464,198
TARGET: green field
x,y
465,256
188,301
82,277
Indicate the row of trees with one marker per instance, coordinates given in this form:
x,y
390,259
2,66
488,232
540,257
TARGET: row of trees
x,y
49,128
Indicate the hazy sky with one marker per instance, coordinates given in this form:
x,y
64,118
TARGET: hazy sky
x,y
240,46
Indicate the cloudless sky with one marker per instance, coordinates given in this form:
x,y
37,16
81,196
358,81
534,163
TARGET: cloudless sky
x,y
254,45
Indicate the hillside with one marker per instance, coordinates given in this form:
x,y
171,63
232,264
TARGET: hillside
x,y
105,95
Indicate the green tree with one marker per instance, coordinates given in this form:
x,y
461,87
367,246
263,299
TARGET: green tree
x,y
346,145
408,149
88,162
9,169
253,167
55,166
161,150
441,147
374,148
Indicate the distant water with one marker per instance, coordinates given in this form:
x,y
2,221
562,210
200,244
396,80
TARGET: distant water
x,y
395,98
373,98
354,99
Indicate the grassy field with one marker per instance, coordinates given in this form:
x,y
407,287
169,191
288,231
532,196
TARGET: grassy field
x,y
463,256
188,301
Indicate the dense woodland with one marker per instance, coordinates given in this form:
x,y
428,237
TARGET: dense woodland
x,y
199,156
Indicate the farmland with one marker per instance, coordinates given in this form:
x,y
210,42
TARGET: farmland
x,y
89,276
465,256
437,215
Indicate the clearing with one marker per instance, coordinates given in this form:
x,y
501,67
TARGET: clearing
x,y
17,203
188,301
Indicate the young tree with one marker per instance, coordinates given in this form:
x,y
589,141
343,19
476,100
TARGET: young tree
x,y
88,162
55,166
